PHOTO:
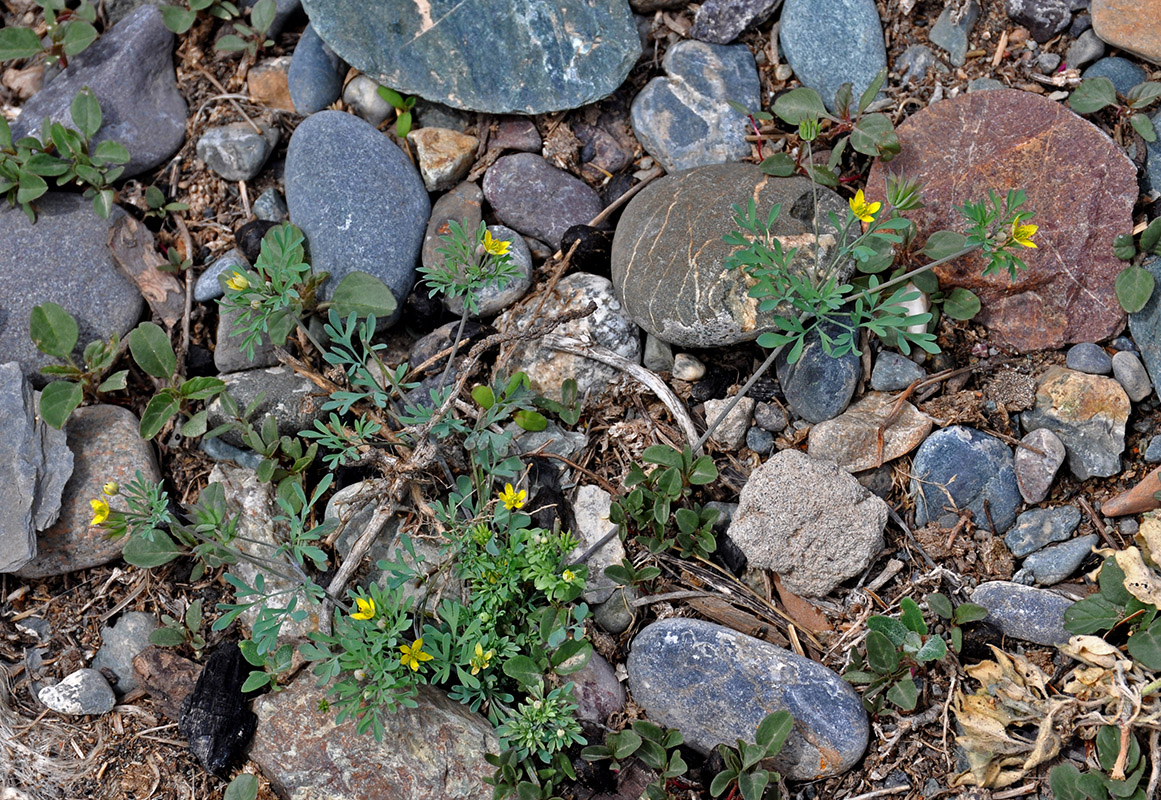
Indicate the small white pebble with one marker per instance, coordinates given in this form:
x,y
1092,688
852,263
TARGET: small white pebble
x,y
687,368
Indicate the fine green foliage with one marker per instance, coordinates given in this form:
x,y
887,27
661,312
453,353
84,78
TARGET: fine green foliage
x,y
955,617
55,332
894,651
470,260
1069,783
68,31
654,746
66,154
186,630
252,37
743,772
1095,94
402,106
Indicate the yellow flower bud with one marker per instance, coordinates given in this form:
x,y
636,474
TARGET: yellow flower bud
x,y
111,488
238,282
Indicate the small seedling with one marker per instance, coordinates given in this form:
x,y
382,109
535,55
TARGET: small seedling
x,y
895,650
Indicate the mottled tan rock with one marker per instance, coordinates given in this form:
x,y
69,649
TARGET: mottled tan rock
x,y
1080,184
1132,25
444,156
267,84
868,435
432,752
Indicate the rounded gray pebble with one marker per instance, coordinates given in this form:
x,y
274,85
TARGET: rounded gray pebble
x,y
1056,563
894,372
1090,358
208,287
760,441
1024,612
1153,451
1131,374
771,417
83,692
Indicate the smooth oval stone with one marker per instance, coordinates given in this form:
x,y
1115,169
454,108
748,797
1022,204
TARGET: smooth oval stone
x,y
668,251
715,685
831,42
1053,564
359,201
236,151
316,74
537,199
962,468
1036,471
1024,612
1090,358
1121,71
818,386
1131,374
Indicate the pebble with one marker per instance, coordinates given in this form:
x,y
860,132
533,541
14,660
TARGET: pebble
x,y
235,151
683,119
818,387
771,417
462,204
1153,451
760,441
974,469
1035,472
1048,62
270,206
894,372
720,21
207,286
444,156
715,685
1152,180
218,450
598,693
688,368
130,70
316,74
952,29
1145,324
658,356
428,114
121,643
731,433
1086,49
1088,413
591,510
616,614
870,433
1142,497
1131,374
229,356
1124,343
531,196
359,201
1043,18
984,85
809,521
361,94
1039,527
493,299
1133,27
1090,358
1024,612
106,447
266,82
1121,71
831,42
1054,564
515,133
83,692
915,63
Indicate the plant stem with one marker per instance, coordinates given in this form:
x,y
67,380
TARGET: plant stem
x,y
308,335
455,347
758,373
909,275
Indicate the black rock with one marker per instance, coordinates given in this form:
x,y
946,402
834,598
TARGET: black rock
x,y
593,250
199,362
215,718
729,555
248,238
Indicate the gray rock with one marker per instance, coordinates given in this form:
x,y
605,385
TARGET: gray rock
x,y
463,205
914,63
683,120
771,417
1124,343
515,133
1153,451
228,353
658,354
1152,180
1039,527
809,521
359,201
1024,612
83,692
1043,18
961,468
952,29
220,451
1048,62
1090,358
493,299
1145,324
530,195
591,509
1086,49
553,439
581,51
894,372
270,207
64,258
293,400
120,643
720,21
715,685
1035,472
984,85
428,114
1056,563
731,433
597,691
1088,413
361,94
316,74
130,70
1121,71
208,286
668,251
1131,374
616,614
236,151
759,440
831,42
818,387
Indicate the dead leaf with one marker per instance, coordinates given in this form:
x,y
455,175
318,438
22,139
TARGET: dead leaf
x,y
1149,537
131,244
803,612
1140,581
1092,650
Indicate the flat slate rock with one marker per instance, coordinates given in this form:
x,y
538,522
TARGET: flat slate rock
x,y
683,120
130,70
531,196
668,251
63,258
1039,527
831,42
432,752
293,400
106,447
1088,413
716,685
534,57
720,21
1080,185
358,199
1131,25
1024,612
961,468
121,643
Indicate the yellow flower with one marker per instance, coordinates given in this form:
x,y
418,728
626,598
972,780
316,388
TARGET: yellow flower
x,y
1022,234
862,209
111,488
413,654
568,576
493,246
480,659
513,499
238,282
366,608
100,511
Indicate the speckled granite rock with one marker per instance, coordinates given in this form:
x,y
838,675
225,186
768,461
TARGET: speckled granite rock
x,y
1024,612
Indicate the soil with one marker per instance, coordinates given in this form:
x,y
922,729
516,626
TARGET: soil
x,y
135,752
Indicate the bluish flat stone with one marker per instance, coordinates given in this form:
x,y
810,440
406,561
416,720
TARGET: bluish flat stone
x,y
1024,612
831,42
316,74
961,468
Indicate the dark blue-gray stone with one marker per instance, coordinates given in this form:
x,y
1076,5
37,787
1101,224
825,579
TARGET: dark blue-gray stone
x,y
1123,343
1121,71
316,74
1056,563
1145,325
1153,451
818,387
683,120
831,42
720,21
759,440
715,685
952,29
1039,527
961,468
1090,358
530,195
64,258
1024,612
1153,160
130,70
358,199
293,401
531,57
1043,18
894,372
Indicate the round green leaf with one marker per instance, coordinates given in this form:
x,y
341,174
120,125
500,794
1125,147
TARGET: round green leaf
x,y
18,43
933,650
882,656
78,36
1145,647
152,350
523,670
939,603
58,400
1123,247
1092,95
798,105
874,135
1151,238
780,165
530,420
243,787
141,552
177,19
961,304
167,637
904,694
942,244
1134,286
362,294
53,330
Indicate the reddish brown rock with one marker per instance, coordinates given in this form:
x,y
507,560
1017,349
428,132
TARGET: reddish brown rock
x,y
1079,184
1133,25
167,677
869,433
1140,498
267,84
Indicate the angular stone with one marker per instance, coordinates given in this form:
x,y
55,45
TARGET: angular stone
x,y
1131,25
1088,413
818,386
960,468
534,58
316,74
215,717
1063,163
1056,563
530,195
1043,18
1039,527
1145,325
1090,358
293,400
668,251
236,152
515,133
715,685
121,643
952,29
106,447
1035,472
831,42
658,355
83,692
809,521
167,677
270,206
894,372
1086,49
1024,612
720,21
444,156
266,82
870,433
591,509
683,119
914,64
432,752
731,433
597,691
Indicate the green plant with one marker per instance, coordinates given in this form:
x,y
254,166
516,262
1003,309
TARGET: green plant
x,y
243,787
543,725
180,19
1094,94
743,773
155,204
402,106
252,37
186,630
654,746
67,31
54,331
154,353
1115,780
1115,609
896,649
524,778
956,617
64,153
1134,284
625,574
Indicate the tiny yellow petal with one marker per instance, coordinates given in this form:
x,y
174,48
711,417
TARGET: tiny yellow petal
x,y
366,608
111,488
493,246
238,282
100,511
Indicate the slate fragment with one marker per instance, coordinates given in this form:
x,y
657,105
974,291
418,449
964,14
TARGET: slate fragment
x,y
215,718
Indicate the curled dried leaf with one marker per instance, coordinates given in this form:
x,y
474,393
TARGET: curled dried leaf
x,y
1140,581
1092,650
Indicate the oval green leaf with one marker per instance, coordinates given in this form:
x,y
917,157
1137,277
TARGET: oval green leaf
x,y
141,552
1134,287
158,411
152,350
798,105
18,43
362,294
58,400
961,304
484,396
1092,95
86,112
1151,237
530,420
1144,127
243,787
53,330
942,244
